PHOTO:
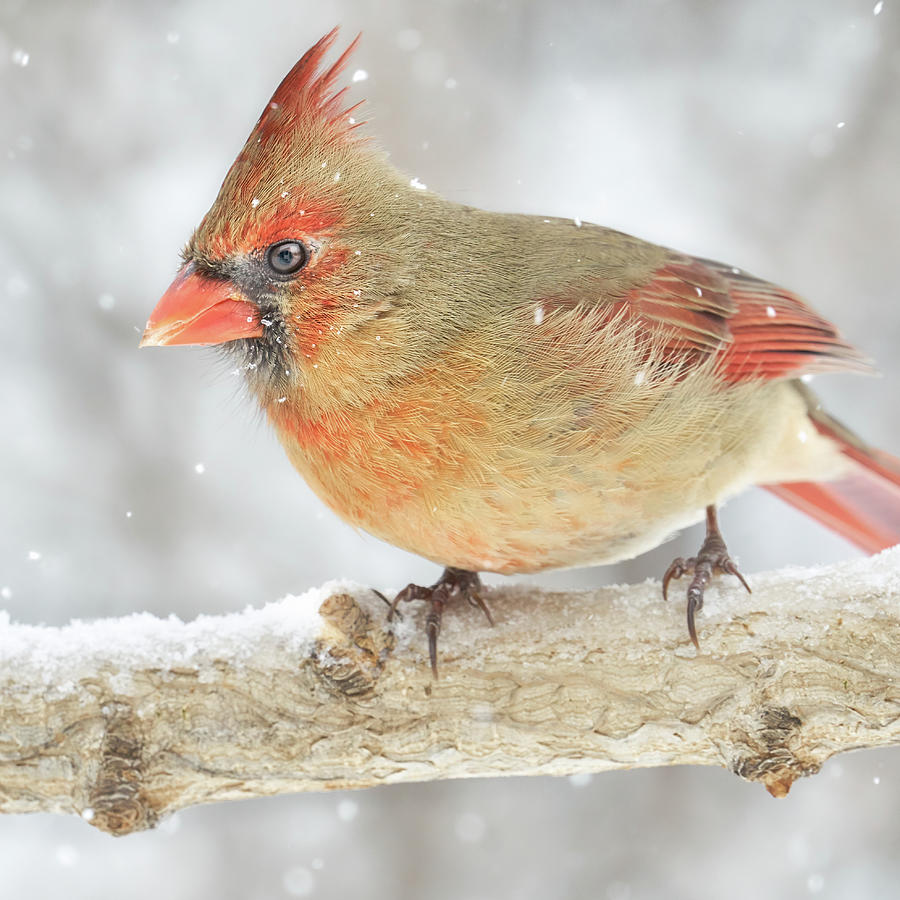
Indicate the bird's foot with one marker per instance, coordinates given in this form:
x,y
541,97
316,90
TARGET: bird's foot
x,y
453,585
713,559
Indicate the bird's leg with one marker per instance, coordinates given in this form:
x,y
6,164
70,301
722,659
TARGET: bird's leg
x,y
712,559
453,585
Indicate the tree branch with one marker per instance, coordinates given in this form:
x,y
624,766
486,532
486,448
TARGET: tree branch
x,y
126,720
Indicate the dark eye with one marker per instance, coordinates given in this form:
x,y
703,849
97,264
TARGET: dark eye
x,y
287,257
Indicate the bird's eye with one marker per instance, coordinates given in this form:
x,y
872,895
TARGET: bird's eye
x,y
287,257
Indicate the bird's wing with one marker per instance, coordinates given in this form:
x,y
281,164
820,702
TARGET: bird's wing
x,y
755,329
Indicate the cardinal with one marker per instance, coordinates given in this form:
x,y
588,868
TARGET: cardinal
x,y
506,393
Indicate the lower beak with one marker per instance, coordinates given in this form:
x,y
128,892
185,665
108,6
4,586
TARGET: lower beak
x,y
200,309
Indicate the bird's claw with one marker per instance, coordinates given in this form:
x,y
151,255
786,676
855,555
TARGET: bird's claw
x,y
391,610
452,585
713,559
475,599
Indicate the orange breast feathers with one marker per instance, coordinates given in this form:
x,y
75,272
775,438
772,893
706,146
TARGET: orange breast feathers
x,y
554,436
367,461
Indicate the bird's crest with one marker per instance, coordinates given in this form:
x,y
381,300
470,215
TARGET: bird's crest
x,y
290,166
305,94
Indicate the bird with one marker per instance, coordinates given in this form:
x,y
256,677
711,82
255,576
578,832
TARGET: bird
x,y
500,392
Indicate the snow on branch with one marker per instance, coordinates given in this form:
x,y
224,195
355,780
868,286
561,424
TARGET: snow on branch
x,y
125,720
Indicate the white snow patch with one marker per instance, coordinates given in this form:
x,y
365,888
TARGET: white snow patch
x,y
54,661
823,594
359,75
200,468
20,57
877,8
418,185
770,312
538,314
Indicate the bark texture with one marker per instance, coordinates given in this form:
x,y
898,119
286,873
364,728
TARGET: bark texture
x,y
125,721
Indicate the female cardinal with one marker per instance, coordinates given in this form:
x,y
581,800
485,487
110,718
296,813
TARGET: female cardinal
x,y
506,393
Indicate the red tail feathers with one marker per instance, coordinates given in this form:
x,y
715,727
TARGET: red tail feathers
x,y
863,506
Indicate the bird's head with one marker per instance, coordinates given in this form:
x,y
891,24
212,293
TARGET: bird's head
x,y
304,244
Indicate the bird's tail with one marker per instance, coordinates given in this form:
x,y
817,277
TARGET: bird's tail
x,y
863,506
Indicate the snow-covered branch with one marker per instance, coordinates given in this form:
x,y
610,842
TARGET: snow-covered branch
x,y
125,720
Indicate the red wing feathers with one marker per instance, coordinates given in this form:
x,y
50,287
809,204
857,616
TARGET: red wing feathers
x,y
776,335
756,329
690,301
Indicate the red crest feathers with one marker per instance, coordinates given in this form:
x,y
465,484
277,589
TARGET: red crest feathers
x,y
276,176
305,93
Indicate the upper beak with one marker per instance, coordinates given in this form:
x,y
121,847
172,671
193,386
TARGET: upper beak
x,y
199,309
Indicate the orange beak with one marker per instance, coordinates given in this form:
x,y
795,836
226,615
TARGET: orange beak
x,y
197,309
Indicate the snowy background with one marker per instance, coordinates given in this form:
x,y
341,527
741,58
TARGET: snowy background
x,y
764,134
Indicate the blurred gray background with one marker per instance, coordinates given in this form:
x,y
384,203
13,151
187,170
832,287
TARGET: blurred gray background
x,y
763,134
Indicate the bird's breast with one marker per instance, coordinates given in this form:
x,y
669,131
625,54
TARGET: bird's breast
x,y
509,454
443,477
